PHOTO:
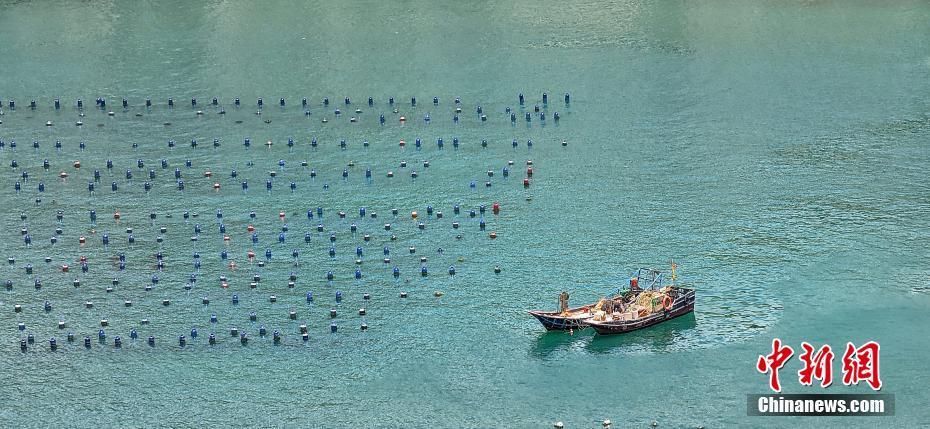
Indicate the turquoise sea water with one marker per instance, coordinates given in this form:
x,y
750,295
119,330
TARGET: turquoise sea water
x,y
776,151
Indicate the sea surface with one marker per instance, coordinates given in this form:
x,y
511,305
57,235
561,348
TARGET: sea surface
x,y
776,151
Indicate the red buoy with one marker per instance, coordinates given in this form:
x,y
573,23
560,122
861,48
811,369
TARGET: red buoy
x,y
526,182
496,208
250,228
529,171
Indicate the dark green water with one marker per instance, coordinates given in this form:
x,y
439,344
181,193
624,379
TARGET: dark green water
x,y
777,151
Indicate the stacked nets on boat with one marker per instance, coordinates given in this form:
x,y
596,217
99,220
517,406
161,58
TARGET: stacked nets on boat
x,y
649,301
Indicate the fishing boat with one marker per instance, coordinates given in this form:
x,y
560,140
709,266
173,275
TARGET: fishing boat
x,y
652,306
567,318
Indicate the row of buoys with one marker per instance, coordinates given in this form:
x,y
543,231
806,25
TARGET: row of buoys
x,y
282,236
213,318
402,120
152,173
212,339
216,185
101,102
208,173
352,119
312,215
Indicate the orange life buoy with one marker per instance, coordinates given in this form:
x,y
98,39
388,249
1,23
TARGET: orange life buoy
x,y
667,303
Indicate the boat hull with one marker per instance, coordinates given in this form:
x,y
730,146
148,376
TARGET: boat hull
x,y
680,307
552,321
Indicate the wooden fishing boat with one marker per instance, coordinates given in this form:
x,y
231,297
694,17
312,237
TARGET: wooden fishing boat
x,y
676,301
559,321
574,318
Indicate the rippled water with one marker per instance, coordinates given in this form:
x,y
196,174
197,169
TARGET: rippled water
x,y
775,151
